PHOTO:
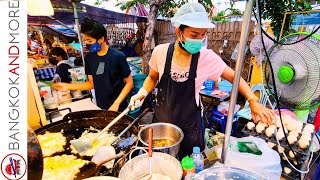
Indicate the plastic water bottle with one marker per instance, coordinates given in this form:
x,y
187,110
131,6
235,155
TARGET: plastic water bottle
x,y
198,159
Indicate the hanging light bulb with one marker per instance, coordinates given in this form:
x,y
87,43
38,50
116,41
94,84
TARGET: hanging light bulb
x,y
40,8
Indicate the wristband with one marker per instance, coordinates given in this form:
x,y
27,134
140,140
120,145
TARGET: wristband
x,y
254,98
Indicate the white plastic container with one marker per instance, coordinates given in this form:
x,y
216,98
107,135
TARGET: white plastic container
x,y
198,159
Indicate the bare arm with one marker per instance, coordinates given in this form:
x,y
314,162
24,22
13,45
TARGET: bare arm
x,y
125,91
75,86
258,111
244,88
151,81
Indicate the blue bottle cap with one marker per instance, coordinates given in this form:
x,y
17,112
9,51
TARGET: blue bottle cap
x,y
196,150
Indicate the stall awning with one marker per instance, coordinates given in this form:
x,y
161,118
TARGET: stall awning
x,y
63,12
63,34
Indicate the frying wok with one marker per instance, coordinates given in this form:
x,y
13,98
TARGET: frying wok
x,y
75,123
35,160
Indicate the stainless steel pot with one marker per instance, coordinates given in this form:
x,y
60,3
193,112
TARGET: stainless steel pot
x,y
163,131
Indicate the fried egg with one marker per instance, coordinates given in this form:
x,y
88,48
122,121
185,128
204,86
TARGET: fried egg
x,y
52,143
63,167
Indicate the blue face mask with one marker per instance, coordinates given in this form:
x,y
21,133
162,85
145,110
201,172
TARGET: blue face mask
x,y
95,47
192,45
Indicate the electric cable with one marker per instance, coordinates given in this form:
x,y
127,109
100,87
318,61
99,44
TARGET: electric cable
x,y
275,91
315,160
278,42
277,100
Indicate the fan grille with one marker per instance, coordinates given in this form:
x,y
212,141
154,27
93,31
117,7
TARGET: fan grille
x,y
303,92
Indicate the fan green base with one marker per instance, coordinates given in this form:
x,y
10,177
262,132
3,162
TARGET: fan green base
x,y
285,74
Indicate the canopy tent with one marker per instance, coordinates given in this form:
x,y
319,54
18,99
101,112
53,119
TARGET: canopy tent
x,y
64,34
63,11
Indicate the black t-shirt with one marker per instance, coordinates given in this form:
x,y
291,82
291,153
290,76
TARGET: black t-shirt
x,y
63,72
108,72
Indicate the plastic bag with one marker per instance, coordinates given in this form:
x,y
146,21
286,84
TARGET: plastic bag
x,y
249,147
224,107
267,164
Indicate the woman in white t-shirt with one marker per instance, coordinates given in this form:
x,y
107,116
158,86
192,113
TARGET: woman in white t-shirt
x,y
181,68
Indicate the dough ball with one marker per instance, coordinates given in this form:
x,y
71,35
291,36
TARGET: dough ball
x,y
250,125
292,139
271,145
280,149
278,123
306,130
295,163
269,132
309,127
291,154
299,124
263,124
286,119
291,126
281,130
272,127
287,170
303,143
306,133
259,128
294,133
299,130
304,136
279,135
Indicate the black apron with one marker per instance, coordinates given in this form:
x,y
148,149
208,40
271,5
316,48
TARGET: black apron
x,y
176,104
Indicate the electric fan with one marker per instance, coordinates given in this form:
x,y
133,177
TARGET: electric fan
x,y
296,70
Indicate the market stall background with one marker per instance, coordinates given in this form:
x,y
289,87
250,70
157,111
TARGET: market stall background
x,y
225,31
63,11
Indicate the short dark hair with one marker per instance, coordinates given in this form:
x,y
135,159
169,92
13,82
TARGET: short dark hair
x,y
58,51
93,29
182,27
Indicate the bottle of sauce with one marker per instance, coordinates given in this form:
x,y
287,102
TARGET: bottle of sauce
x,y
188,166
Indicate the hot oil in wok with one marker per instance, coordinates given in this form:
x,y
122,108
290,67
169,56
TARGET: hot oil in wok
x,y
162,142
74,124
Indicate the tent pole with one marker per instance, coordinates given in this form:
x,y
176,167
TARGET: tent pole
x,y
78,29
236,80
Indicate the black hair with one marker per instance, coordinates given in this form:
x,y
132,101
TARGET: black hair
x,y
58,51
93,29
182,27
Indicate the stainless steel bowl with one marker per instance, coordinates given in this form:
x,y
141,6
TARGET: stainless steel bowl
x,y
163,131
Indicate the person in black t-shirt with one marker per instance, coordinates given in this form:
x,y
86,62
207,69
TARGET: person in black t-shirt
x,y
107,69
59,57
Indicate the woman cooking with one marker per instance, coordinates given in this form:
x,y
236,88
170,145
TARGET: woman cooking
x,y
182,67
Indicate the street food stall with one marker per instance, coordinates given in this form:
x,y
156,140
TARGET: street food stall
x,y
85,142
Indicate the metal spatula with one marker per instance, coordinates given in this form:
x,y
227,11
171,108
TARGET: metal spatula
x,y
83,144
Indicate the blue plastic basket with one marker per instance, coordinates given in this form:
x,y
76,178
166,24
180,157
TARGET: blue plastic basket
x,y
225,86
209,84
221,119
138,80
